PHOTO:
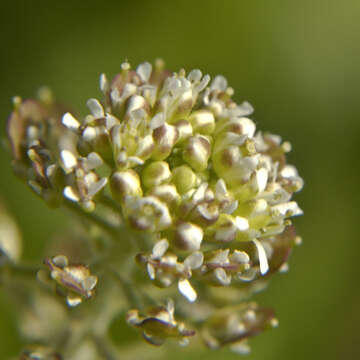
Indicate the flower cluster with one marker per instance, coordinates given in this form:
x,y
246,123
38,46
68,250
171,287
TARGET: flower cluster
x,y
159,324
75,281
182,163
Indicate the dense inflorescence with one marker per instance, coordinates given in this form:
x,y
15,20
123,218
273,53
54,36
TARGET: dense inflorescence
x,y
184,165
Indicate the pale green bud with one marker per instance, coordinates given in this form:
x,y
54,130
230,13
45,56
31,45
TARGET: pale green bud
x,y
156,173
183,178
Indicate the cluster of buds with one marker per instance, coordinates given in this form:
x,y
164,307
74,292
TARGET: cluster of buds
x,y
184,165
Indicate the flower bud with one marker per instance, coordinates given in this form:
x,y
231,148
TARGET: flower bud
x,y
147,213
197,152
202,121
185,130
75,279
165,138
125,183
188,236
159,324
156,173
183,178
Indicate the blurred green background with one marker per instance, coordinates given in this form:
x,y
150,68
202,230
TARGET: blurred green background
x,y
297,62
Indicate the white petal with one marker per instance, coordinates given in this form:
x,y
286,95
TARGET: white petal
x,y
94,161
248,275
170,306
135,102
200,193
151,271
203,83
73,300
135,160
244,109
60,261
261,179
96,187
220,188
221,257
144,146
242,223
116,137
240,348
89,283
144,71
111,121
290,208
248,127
264,265
222,276
160,248
115,96
289,171
104,85
68,158
95,108
89,134
71,194
219,83
129,89
157,121
194,260
187,290
50,170
240,257
194,75
230,208
70,122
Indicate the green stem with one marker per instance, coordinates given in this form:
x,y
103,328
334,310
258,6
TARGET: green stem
x,y
23,269
110,203
105,348
128,288
93,218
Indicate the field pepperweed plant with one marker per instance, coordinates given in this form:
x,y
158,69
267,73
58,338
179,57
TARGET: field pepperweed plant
x,y
181,211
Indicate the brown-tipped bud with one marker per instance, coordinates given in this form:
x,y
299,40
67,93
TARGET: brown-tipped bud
x,y
165,137
166,193
197,152
125,183
188,236
156,173
203,121
185,130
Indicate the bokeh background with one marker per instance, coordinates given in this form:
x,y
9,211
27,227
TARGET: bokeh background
x,y
297,62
